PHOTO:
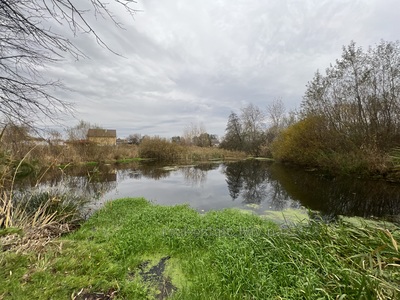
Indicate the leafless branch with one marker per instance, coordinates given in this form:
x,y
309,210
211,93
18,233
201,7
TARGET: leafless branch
x,y
28,44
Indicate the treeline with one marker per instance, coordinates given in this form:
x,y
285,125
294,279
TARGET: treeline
x,y
250,132
348,122
38,149
349,119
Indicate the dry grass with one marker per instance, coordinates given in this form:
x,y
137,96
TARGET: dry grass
x,y
194,153
29,228
30,221
163,150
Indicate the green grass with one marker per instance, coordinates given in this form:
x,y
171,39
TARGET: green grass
x,y
128,160
218,255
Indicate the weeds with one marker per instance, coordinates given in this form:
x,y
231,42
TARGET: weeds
x,y
31,220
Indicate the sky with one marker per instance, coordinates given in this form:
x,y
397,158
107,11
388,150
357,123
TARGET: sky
x,y
194,62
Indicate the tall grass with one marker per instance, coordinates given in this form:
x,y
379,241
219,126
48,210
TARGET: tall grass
x,y
30,219
218,255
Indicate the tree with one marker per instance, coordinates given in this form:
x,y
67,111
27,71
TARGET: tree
x,y
233,139
276,115
191,131
28,43
134,139
359,97
79,131
203,140
16,139
253,128
247,132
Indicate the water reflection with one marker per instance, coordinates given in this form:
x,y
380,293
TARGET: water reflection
x,y
197,175
339,195
258,184
91,182
252,181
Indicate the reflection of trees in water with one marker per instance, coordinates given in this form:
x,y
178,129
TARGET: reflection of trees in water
x,y
252,181
193,175
234,179
197,175
132,174
339,196
278,196
154,170
90,182
147,170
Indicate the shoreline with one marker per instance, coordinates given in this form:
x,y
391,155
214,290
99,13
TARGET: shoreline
x,y
132,249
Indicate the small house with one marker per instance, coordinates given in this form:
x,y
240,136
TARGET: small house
x,y
102,136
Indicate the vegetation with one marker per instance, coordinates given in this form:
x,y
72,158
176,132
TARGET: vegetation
x,y
219,255
29,44
164,150
247,132
350,116
29,220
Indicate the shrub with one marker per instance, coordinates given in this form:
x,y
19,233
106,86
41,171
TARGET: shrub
x,y
160,149
311,142
301,143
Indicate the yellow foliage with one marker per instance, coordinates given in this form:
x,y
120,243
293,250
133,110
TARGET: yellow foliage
x,y
301,142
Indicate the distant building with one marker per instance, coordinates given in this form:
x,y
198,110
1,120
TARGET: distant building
x,y
102,136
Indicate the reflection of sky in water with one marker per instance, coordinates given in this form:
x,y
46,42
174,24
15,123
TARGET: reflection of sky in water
x,y
203,191
254,185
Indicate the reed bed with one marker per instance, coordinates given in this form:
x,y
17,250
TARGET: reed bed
x,y
30,220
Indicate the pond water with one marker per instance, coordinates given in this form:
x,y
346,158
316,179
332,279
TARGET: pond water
x,y
255,185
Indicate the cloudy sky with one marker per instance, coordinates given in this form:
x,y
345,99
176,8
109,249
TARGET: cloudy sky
x,y
195,61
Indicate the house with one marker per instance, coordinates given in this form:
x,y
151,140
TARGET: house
x,y
102,136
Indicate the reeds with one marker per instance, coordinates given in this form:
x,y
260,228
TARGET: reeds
x,y
162,149
31,219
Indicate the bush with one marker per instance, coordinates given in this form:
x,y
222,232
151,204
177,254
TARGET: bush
x,y
302,143
311,142
160,149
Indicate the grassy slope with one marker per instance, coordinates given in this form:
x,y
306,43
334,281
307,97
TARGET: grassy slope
x,y
219,255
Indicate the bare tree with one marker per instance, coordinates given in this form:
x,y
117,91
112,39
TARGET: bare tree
x,y
359,96
253,120
28,43
79,132
276,113
134,139
193,130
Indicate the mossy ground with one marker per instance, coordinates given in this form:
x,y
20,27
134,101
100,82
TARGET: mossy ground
x,y
217,255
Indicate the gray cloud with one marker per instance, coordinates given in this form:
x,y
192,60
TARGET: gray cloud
x,y
195,61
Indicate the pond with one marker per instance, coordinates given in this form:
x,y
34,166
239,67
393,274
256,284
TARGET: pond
x,y
255,185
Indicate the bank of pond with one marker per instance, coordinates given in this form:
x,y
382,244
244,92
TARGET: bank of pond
x,y
132,249
263,187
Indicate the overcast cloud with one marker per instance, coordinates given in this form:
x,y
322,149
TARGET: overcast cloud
x,y
196,61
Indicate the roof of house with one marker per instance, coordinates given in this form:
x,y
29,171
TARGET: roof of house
x,y
111,133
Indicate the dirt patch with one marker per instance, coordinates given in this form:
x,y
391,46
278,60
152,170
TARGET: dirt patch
x,y
155,278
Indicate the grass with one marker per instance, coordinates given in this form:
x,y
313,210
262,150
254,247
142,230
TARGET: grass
x,y
29,222
218,255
